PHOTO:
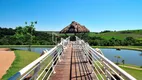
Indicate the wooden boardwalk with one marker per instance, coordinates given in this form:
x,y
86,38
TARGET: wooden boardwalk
x,y
73,65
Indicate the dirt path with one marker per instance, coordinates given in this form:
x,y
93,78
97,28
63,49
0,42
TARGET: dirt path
x,y
6,59
130,67
4,49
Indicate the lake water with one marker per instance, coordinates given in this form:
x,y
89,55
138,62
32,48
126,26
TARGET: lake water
x,y
38,50
130,56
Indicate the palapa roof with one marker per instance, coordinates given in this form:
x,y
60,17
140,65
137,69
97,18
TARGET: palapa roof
x,y
74,27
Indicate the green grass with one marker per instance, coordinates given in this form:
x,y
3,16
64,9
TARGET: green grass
x,y
119,34
13,46
22,59
138,48
135,66
135,73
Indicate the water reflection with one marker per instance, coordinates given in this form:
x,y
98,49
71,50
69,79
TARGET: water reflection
x,y
130,56
38,50
141,53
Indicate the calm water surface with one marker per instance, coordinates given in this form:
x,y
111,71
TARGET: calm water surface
x,y
38,50
130,56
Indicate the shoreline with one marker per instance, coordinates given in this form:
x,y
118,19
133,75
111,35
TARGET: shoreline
x,y
128,67
136,48
36,46
131,66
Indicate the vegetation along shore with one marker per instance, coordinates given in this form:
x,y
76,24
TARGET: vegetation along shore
x,y
9,36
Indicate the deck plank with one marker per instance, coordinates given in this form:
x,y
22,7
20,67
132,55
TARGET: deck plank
x,y
74,65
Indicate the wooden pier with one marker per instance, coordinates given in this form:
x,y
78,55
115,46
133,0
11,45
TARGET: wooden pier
x,y
72,60
73,65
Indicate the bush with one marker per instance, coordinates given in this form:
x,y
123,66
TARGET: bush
x,y
106,31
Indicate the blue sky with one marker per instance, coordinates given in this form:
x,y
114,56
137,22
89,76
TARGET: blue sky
x,y
53,15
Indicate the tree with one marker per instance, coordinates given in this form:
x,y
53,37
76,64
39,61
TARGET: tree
x,y
26,23
29,30
19,35
123,61
129,41
117,59
4,41
24,35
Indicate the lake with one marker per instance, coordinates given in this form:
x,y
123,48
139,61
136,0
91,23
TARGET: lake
x,y
38,50
130,56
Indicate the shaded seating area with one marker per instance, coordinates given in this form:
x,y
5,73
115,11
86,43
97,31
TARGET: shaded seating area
x,y
74,28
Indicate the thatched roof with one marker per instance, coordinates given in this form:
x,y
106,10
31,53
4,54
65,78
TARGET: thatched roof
x,y
74,27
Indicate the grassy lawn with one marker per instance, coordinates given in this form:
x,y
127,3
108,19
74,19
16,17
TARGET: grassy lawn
x,y
22,59
119,34
13,46
135,73
139,48
135,66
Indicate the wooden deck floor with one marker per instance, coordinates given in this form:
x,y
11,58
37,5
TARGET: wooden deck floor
x,y
73,65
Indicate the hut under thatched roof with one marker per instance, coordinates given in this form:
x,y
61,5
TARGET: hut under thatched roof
x,y
75,27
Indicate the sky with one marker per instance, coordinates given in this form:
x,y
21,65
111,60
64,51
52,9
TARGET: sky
x,y
54,15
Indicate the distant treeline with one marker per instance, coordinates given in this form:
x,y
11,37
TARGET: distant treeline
x,y
20,36
128,41
9,36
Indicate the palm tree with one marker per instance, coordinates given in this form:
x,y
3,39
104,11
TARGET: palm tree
x,y
32,23
123,61
35,22
26,23
30,31
117,59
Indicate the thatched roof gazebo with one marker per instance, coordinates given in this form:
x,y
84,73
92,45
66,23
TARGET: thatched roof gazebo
x,y
75,27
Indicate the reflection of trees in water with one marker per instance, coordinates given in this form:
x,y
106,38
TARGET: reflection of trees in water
x,y
141,53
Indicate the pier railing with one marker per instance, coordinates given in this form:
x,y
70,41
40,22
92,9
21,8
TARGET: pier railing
x,y
43,67
103,68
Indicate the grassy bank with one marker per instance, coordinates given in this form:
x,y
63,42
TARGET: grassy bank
x,y
22,59
13,46
138,48
134,72
135,66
